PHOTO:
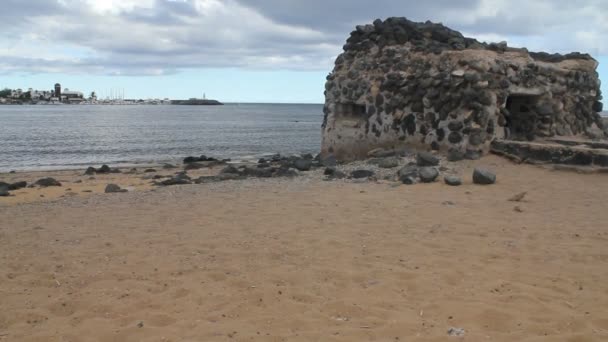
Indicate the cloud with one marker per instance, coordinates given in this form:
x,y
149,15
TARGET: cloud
x,y
152,37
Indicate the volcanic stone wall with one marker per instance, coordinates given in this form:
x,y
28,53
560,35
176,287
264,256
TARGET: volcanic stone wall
x,y
405,84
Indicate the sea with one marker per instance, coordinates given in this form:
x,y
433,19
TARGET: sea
x,y
53,137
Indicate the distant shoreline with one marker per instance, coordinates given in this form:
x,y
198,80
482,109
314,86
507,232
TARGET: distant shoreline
x,y
196,102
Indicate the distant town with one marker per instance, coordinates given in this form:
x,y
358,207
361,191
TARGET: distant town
x,y
65,96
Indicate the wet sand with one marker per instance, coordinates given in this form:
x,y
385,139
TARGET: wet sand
x,y
309,260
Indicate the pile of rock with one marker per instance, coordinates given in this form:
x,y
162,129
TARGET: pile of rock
x,y
422,167
196,163
104,169
271,167
5,188
47,182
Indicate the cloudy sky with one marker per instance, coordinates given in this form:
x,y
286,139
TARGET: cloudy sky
x,y
250,50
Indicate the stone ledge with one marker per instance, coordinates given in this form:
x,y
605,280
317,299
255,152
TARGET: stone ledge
x,y
550,153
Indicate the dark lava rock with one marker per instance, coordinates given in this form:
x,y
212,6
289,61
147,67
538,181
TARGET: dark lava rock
x,y
408,171
230,169
257,172
329,171
169,166
428,174
381,153
358,174
455,155
286,172
329,161
408,180
454,126
454,137
483,176
44,182
388,163
204,158
262,161
193,166
176,181
90,171
181,178
17,185
452,180
219,178
303,164
426,159
189,160
113,188
4,191
149,170
308,156
333,173
104,169
207,179
472,155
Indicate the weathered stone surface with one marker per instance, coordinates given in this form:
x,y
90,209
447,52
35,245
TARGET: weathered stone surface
x,y
4,191
113,188
104,169
17,185
329,161
408,171
46,182
554,153
388,163
303,164
472,155
426,159
180,178
483,176
428,174
286,172
452,180
358,174
230,169
258,172
455,155
333,173
90,171
381,153
401,83
193,166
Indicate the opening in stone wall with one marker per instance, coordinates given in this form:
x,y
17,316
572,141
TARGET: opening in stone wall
x,y
350,111
522,116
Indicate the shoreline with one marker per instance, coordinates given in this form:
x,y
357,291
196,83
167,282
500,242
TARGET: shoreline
x,y
308,259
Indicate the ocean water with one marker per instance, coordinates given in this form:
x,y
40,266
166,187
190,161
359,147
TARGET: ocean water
x,y
63,137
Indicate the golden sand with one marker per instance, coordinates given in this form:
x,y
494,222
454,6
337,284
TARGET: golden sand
x,y
307,260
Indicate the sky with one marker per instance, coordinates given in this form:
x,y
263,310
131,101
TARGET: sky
x,y
251,50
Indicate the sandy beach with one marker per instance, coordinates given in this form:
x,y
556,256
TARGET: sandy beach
x,y
307,260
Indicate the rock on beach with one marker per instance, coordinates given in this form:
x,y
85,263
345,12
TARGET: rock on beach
x,y
483,176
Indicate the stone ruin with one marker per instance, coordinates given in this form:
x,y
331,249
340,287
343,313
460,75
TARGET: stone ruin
x,y
400,84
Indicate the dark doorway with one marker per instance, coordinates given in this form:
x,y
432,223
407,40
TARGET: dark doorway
x,y
521,117
350,111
